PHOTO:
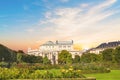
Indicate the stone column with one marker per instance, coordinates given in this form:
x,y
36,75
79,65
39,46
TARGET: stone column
x,y
73,55
52,58
48,55
56,57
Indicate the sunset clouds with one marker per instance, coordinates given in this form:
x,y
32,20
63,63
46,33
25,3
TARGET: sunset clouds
x,y
87,22
79,23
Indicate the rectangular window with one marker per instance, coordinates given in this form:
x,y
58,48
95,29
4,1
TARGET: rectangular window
x,y
60,46
64,46
52,46
69,46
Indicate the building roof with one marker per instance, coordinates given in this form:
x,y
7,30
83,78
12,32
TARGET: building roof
x,y
59,43
109,44
49,43
64,42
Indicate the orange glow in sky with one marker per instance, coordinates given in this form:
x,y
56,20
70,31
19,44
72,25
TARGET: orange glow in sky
x,y
30,23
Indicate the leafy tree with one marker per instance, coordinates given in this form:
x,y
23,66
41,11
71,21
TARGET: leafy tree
x,y
90,57
31,59
13,57
64,57
7,54
19,57
20,51
107,54
27,58
39,59
117,54
100,57
85,58
95,57
76,59
46,60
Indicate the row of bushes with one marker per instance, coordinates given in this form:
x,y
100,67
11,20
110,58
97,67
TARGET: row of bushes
x,y
92,68
85,67
22,73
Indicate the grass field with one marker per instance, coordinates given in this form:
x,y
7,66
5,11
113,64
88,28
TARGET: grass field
x,y
113,75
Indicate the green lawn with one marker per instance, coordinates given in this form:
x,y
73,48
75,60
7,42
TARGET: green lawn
x,y
113,75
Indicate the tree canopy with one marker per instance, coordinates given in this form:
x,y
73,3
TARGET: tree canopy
x,y
76,59
46,60
6,54
107,54
117,54
64,57
90,57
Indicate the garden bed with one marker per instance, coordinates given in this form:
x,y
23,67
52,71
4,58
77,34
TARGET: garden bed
x,y
89,78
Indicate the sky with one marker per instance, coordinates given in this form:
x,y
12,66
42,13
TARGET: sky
x,y
30,23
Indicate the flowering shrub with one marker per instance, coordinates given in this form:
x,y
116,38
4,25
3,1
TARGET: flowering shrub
x,y
6,73
71,73
91,68
23,73
40,74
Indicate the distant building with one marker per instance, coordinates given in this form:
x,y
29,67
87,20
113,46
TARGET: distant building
x,y
52,49
104,46
96,50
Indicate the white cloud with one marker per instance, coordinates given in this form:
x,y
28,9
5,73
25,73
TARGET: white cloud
x,y
76,23
103,6
30,30
84,5
48,15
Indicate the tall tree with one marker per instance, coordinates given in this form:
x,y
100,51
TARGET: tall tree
x,y
107,54
85,58
64,57
19,57
20,51
76,59
7,54
90,57
46,60
117,54
31,58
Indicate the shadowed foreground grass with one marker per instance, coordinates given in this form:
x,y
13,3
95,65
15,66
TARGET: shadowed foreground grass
x,y
113,75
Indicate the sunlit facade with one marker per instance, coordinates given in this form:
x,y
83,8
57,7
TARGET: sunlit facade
x,y
52,49
104,46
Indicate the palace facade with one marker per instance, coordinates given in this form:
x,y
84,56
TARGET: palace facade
x,y
52,49
104,46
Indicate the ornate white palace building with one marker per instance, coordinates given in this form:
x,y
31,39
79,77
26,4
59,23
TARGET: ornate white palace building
x,y
52,49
